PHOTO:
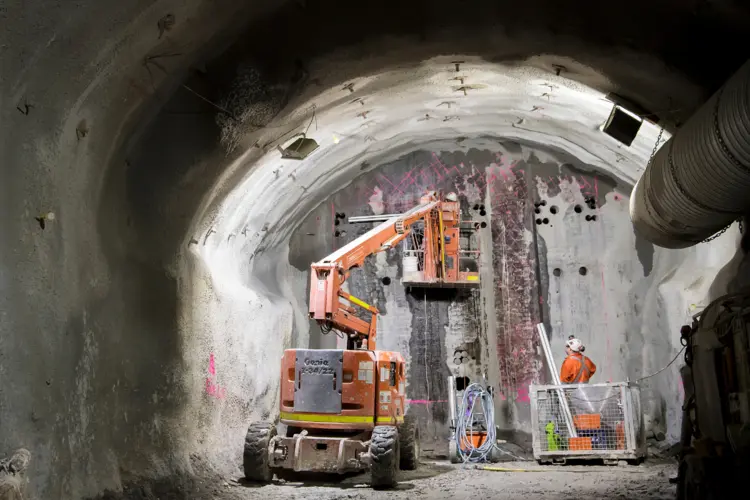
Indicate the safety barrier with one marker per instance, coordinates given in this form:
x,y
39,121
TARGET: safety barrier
x,y
607,422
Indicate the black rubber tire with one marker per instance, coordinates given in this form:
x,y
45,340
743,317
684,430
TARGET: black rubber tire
x,y
384,451
408,438
255,459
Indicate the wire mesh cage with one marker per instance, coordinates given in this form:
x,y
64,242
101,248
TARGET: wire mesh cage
x,y
587,421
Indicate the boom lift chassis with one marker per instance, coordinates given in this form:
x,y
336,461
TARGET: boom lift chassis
x,y
344,409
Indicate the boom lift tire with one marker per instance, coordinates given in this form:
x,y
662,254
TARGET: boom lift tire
x,y
384,452
255,459
408,437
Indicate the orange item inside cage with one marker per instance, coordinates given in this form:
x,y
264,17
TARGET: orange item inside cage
x,y
579,443
587,421
620,434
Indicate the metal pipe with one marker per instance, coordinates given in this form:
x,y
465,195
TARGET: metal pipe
x,y
697,183
452,400
372,218
567,415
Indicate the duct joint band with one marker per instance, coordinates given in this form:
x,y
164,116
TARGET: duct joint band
x,y
646,190
722,144
684,192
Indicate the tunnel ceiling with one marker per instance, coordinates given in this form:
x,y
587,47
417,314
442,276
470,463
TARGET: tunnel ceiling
x,y
115,66
380,117
82,86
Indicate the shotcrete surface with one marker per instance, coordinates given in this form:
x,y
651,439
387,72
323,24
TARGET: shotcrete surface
x,y
146,288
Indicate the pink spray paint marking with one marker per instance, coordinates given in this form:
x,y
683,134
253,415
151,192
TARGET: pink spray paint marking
x,y
213,389
392,184
425,401
522,396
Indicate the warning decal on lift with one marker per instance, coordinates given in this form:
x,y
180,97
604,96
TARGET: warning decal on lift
x,y
365,371
385,396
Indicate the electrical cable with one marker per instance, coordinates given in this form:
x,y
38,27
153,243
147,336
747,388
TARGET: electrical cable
x,y
700,316
465,421
670,364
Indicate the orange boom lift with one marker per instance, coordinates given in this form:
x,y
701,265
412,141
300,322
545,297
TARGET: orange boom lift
x,y
344,409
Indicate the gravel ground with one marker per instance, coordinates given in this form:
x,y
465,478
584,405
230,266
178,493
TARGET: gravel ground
x,y
455,482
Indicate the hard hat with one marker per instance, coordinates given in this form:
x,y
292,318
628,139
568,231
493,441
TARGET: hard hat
x,y
451,197
574,344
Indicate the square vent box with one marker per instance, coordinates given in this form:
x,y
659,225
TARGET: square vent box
x,y
622,125
299,149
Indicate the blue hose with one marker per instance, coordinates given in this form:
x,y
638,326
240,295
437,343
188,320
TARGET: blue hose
x,y
473,395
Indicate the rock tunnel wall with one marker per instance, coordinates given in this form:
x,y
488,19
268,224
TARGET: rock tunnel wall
x,y
121,355
559,248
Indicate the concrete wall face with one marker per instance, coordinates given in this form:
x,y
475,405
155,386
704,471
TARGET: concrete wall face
x,y
561,250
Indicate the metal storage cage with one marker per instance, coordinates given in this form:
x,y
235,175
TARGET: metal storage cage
x,y
587,421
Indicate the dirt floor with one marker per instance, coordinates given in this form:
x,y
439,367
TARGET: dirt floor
x,y
440,480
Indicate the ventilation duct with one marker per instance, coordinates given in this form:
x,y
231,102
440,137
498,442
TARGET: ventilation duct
x,y
699,180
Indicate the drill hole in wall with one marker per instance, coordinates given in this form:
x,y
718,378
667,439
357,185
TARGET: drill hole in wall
x,y
539,222
537,210
583,271
557,272
482,213
578,209
553,209
545,220
476,207
462,383
386,281
483,225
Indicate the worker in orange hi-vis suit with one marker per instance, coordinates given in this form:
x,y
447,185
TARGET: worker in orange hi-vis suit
x,y
577,368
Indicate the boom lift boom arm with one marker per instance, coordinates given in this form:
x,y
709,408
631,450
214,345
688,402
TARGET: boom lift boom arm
x,y
329,274
438,246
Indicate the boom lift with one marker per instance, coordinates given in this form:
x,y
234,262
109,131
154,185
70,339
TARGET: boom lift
x,y
344,408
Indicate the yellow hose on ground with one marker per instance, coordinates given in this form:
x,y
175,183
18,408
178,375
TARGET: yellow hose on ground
x,y
505,469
